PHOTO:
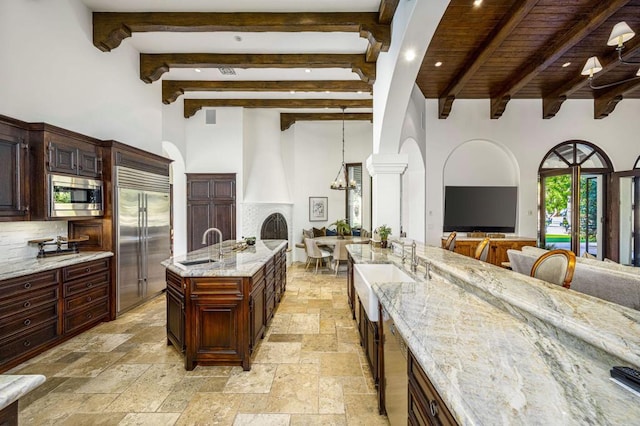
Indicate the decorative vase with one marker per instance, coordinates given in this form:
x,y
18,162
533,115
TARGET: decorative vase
x,y
383,244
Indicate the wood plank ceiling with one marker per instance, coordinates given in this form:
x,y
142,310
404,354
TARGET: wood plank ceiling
x,y
506,49
111,28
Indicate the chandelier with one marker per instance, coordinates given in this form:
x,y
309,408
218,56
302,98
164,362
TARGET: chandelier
x,y
620,33
341,181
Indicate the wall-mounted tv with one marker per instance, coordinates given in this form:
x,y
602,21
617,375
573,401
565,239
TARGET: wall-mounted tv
x,y
480,208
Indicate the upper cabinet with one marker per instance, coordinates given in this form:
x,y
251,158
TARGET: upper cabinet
x,y
14,160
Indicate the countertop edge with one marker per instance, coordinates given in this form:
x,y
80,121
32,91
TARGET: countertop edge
x,y
14,387
33,266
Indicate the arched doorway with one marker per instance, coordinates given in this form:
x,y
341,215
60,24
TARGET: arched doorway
x,y
573,177
625,216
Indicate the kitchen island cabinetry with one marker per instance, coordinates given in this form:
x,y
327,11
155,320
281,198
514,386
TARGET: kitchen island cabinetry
x,y
223,307
38,310
14,182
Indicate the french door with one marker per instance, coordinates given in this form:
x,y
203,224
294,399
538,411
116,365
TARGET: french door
x,y
625,195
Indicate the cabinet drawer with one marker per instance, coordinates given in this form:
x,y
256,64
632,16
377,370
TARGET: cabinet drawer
x,y
82,269
216,286
425,393
31,300
174,281
29,319
93,313
28,341
24,285
83,299
87,283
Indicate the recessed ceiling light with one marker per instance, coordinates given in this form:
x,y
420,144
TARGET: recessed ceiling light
x,y
359,92
477,3
438,64
237,38
197,70
226,71
410,55
327,91
566,64
292,92
307,70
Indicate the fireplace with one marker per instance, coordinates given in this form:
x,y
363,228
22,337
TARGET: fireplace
x,y
274,227
268,221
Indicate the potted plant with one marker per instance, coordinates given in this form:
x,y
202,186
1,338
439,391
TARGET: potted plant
x,y
384,231
342,227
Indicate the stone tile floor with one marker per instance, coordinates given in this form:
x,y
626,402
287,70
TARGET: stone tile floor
x,y
308,370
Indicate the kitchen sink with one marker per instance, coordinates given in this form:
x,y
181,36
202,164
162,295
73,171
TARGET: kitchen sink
x,y
366,274
196,262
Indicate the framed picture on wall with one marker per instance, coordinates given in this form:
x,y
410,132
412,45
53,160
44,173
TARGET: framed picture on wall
x,y
318,209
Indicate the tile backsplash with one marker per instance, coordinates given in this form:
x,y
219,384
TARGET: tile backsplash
x,y
14,237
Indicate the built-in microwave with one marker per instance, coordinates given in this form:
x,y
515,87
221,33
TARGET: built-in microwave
x,y
75,196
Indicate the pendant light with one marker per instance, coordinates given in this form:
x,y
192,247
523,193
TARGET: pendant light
x,y
341,181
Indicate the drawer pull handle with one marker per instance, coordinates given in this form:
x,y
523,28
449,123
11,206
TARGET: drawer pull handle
x,y
27,322
89,285
89,299
87,270
26,304
89,315
27,285
433,407
26,344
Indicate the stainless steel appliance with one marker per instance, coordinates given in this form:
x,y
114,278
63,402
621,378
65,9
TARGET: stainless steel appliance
x,y
143,235
396,378
71,196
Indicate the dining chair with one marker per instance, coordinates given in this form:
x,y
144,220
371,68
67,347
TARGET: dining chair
x,y
555,266
482,251
450,244
340,253
313,252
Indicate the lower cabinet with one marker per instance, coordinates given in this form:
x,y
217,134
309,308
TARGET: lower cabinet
x,y
369,339
41,310
220,320
425,405
497,247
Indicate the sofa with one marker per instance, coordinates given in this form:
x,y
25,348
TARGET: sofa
x,y
610,281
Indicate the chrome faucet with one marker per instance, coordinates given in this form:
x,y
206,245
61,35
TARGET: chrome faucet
x,y
414,258
204,240
427,270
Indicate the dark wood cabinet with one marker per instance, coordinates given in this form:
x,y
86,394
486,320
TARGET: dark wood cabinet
x,y
350,287
72,156
369,340
222,319
497,247
211,202
41,310
426,407
14,178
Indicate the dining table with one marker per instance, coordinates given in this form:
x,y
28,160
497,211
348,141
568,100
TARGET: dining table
x,y
330,240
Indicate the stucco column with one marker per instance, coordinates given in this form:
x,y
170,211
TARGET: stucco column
x,y
386,170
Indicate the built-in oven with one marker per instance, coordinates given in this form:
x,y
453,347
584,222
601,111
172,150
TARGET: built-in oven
x,y
74,196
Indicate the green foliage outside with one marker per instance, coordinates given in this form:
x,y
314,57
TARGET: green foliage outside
x,y
557,194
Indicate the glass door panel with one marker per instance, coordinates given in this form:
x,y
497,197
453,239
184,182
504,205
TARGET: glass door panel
x,y
557,209
591,213
629,220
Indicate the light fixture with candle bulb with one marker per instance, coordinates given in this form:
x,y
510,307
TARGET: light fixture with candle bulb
x,y
341,181
620,34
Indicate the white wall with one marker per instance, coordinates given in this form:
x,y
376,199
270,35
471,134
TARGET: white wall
x,y
52,73
413,185
523,133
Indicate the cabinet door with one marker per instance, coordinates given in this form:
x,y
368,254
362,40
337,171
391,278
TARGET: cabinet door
x,y
63,158
224,188
257,313
350,287
89,163
175,318
372,349
224,218
13,179
199,220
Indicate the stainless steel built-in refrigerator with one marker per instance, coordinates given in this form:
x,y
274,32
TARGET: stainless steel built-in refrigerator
x,y
143,235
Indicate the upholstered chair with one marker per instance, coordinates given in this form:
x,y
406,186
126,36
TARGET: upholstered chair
x,y
313,252
555,266
450,244
340,253
482,251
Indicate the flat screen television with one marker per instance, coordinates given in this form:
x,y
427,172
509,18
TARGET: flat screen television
x,y
480,208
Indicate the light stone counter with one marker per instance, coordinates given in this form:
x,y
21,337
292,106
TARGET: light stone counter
x,y
503,348
243,263
33,266
13,387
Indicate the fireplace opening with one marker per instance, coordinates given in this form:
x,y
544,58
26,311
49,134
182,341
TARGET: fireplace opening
x,y
274,227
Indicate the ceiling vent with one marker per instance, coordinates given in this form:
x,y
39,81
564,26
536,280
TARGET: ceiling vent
x,y
210,116
227,71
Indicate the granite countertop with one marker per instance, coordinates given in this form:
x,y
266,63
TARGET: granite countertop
x,y
504,348
240,263
31,266
13,387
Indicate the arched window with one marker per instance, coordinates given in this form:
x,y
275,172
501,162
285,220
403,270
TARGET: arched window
x,y
574,173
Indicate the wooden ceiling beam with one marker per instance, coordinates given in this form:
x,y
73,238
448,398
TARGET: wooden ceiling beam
x,y
605,100
110,28
565,39
478,57
288,118
173,89
152,66
386,11
552,102
191,106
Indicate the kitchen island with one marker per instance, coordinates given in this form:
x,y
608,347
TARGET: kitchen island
x,y
218,308
502,348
